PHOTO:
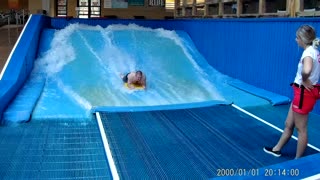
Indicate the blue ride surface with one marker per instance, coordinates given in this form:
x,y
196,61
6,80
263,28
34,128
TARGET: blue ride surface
x,y
80,66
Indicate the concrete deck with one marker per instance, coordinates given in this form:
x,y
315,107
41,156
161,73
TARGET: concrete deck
x,y
8,37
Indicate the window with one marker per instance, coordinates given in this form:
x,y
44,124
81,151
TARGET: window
x,y
169,5
83,8
61,8
95,8
136,2
89,8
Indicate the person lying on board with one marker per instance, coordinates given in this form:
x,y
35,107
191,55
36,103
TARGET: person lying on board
x,y
135,79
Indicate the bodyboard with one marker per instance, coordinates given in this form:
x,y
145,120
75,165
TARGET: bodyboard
x,y
136,86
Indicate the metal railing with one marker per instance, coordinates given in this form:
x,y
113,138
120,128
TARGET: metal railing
x,y
18,17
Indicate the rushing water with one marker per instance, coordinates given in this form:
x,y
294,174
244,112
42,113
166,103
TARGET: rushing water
x,y
83,66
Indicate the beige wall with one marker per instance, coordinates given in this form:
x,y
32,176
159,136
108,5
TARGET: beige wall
x,y
52,8
24,4
35,6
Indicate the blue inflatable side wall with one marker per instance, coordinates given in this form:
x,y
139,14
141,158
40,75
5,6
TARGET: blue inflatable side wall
x,y
260,52
21,62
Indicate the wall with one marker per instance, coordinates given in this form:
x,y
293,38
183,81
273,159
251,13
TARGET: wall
x,y
52,11
35,6
59,23
3,5
261,52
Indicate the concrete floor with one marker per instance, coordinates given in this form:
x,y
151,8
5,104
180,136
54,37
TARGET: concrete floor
x,y
8,37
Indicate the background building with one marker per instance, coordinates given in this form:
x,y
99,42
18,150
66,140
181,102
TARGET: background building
x,y
161,9
125,9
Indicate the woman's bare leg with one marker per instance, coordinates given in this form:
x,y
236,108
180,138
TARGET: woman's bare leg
x,y
301,122
287,132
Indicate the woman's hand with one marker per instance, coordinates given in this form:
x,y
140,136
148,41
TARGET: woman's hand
x,y
307,84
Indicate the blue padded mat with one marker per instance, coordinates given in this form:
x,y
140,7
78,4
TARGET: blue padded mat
x,y
276,115
52,150
189,143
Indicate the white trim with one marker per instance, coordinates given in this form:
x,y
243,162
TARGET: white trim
x,y
112,165
14,48
317,176
269,124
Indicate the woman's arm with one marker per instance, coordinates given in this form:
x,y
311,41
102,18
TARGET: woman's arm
x,y
306,71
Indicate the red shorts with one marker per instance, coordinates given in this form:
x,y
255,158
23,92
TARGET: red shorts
x,y
304,100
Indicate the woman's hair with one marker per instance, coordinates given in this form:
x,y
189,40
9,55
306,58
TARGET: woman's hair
x,y
307,35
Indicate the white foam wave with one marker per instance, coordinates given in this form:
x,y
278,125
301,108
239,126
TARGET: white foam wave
x,y
73,95
60,53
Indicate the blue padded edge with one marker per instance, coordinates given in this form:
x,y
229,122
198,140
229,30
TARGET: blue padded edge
x,y
159,107
7,90
274,98
21,62
20,109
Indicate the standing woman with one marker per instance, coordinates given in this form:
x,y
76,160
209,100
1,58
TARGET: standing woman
x,y
305,92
